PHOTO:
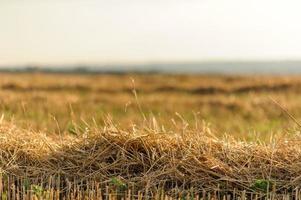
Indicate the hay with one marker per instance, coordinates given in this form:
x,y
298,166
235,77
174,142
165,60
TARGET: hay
x,y
151,158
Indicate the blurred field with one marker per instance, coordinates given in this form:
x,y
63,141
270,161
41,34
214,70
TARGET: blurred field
x,y
238,105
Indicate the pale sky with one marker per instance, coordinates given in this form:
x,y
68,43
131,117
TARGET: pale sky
x,y
131,31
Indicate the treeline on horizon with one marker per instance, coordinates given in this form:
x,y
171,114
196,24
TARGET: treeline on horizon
x,y
74,70
229,67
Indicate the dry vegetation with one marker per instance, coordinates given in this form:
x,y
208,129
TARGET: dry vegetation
x,y
57,138
240,106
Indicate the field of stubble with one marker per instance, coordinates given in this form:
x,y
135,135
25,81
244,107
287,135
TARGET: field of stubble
x,y
157,136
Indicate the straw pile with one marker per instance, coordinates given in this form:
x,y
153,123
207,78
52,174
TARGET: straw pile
x,y
150,158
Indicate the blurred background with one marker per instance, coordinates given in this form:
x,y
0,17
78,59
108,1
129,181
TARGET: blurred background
x,y
65,64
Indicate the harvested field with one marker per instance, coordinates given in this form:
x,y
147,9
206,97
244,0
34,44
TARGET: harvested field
x,y
149,137
238,105
150,159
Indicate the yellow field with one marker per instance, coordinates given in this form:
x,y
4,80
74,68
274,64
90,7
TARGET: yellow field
x,y
81,136
236,105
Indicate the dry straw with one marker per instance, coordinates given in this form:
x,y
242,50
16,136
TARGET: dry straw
x,y
147,161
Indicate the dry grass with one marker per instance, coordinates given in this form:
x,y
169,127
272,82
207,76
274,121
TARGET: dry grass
x,y
150,158
240,106
58,129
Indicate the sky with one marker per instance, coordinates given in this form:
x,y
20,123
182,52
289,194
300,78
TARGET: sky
x,y
142,31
